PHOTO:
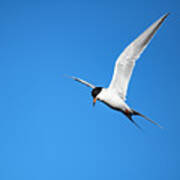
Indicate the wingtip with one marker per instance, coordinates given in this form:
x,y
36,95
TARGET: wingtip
x,y
163,17
166,15
161,127
67,76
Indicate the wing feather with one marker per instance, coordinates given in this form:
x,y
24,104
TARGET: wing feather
x,y
83,82
126,61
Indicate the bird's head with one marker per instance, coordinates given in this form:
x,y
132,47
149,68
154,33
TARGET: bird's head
x,y
95,93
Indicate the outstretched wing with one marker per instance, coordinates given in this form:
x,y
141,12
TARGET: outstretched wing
x,y
126,61
83,82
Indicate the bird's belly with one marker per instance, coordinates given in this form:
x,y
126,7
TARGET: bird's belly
x,y
116,103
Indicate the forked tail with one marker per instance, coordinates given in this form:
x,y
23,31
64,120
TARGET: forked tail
x,y
139,114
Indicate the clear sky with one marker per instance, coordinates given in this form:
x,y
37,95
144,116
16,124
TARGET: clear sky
x,y
48,127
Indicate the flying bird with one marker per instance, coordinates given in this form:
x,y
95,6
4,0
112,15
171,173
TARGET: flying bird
x,y
115,95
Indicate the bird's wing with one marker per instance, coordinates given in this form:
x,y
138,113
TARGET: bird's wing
x,y
126,61
83,82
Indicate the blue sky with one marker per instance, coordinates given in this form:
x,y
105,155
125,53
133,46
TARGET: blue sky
x,y
48,127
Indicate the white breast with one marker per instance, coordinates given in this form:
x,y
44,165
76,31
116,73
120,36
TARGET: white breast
x,y
112,99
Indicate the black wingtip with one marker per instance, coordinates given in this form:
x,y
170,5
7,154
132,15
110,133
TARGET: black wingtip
x,y
166,15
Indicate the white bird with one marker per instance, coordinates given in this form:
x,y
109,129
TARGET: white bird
x,y
115,95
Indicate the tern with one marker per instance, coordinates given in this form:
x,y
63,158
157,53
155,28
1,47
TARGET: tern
x,y
115,95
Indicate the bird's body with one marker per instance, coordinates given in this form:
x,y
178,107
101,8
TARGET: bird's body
x,y
115,95
113,100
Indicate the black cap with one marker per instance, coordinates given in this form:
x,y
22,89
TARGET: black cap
x,y
96,91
